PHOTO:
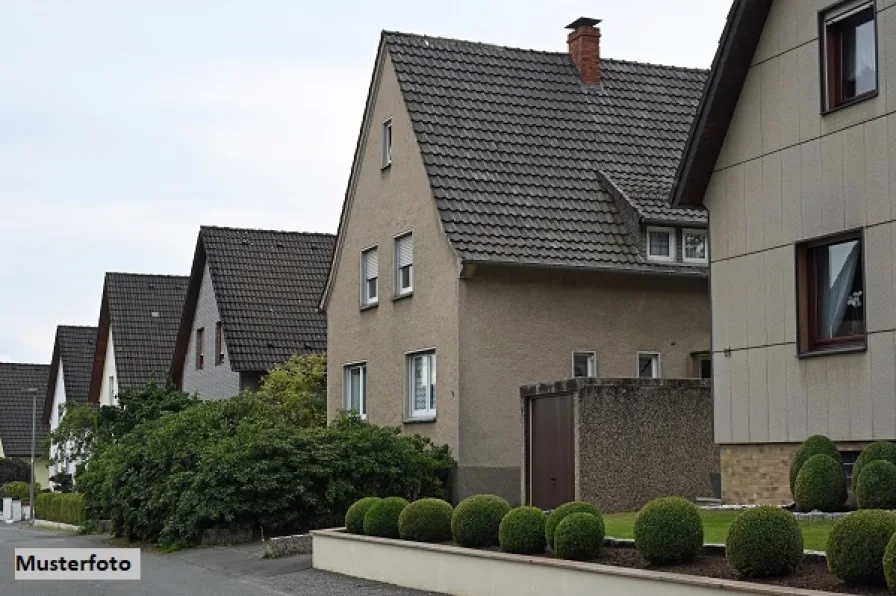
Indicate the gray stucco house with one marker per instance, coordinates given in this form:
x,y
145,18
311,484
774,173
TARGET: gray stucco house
x,y
251,303
506,222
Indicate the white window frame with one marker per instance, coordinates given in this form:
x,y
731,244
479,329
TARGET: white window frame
x,y
366,300
386,147
657,364
672,253
592,362
429,412
684,245
399,291
346,387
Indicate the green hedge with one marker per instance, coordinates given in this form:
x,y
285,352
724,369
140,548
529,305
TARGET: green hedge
x,y
764,542
558,514
65,508
856,545
814,445
669,530
19,491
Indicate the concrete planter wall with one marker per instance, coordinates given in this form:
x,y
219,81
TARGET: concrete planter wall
x,y
468,572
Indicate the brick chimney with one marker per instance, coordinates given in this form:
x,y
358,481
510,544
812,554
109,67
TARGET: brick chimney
x,y
584,48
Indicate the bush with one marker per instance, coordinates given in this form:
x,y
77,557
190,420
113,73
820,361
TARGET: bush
x,y
579,536
522,531
875,451
561,512
14,470
856,545
668,531
477,520
65,508
820,485
814,445
877,486
381,518
354,517
890,564
19,491
426,520
764,542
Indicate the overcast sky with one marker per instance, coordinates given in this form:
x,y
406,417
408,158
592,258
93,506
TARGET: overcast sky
x,y
124,125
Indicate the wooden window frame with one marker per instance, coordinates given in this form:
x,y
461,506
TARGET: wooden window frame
x,y
830,55
808,342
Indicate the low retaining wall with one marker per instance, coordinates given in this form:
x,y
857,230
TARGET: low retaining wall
x,y
468,572
285,546
216,537
42,523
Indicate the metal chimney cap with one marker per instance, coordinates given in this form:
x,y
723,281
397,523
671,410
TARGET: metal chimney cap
x,y
583,22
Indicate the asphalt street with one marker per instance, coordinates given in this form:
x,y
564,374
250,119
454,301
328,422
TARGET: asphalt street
x,y
220,571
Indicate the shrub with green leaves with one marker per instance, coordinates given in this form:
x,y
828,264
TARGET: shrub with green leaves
x,y
579,536
65,508
381,518
426,520
820,485
476,520
764,542
669,530
814,445
879,450
522,531
890,564
19,491
561,512
856,545
876,488
354,517
13,469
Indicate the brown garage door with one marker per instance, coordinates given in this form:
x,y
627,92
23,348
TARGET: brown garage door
x,y
551,451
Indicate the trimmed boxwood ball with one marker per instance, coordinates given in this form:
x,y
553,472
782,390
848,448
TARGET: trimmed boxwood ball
x,y
354,517
381,518
669,530
814,445
856,545
477,519
426,520
878,450
764,542
877,486
890,564
820,485
562,511
522,531
579,537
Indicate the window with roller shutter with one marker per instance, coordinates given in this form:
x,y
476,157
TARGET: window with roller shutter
x,y
370,265
404,264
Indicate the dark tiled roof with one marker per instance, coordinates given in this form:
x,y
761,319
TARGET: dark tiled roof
x,y
513,141
16,406
144,315
75,348
267,285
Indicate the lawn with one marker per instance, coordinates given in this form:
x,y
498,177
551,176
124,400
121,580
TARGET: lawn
x,y
715,527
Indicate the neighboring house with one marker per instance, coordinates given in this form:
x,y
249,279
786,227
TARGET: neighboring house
x,y
69,380
792,153
139,317
252,302
506,222
23,390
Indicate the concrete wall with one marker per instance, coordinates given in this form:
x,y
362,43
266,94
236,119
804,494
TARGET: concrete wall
x,y
109,370
384,203
638,439
519,327
788,174
213,381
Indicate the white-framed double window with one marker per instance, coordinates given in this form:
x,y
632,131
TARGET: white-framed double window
x,y
694,248
370,276
421,383
404,264
387,143
354,388
584,364
649,365
660,244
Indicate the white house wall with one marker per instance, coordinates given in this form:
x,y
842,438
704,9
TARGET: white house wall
x,y
109,370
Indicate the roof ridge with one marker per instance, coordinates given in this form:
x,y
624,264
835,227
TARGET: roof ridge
x,y
23,364
61,326
165,275
269,231
386,32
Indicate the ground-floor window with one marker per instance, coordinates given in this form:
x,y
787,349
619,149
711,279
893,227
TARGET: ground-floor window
x,y
649,365
421,384
354,388
584,364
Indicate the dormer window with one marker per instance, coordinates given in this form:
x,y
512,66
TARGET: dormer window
x,y
694,246
848,53
387,143
660,244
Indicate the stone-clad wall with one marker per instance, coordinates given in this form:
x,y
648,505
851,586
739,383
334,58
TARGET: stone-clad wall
x,y
639,439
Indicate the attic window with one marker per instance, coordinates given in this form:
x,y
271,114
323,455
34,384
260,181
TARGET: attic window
x,y
387,143
694,246
660,244
848,53
155,314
